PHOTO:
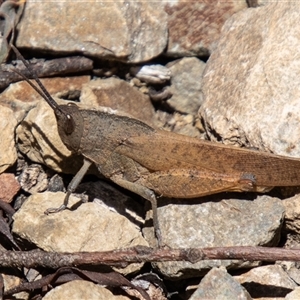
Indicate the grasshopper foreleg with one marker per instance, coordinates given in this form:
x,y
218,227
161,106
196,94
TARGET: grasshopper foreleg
x,y
72,186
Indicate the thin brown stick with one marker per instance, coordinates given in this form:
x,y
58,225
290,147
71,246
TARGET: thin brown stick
x,y
54,67
37,258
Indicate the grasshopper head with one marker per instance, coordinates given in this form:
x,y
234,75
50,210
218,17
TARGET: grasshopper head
x,y
70,125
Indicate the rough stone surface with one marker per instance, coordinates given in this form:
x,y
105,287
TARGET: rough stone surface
x,y
218,284
90,227
107,194
33,179
88,235
294,295
194,26
84,290
267,281
133,31
8,153
253,98
182,124
292,214
9,187
292,269
206,223
119,95
186,85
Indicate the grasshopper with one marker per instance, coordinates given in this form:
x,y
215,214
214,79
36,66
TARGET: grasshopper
x,y
152,162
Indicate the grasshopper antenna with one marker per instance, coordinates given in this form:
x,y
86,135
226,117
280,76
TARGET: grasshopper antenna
x,y
43,92
69,128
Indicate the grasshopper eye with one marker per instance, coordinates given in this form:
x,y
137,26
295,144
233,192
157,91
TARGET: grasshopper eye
x,y
69,124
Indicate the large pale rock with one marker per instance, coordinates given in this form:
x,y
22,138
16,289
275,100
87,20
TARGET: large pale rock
x,y
294,295
218,284
251,82
207,223
194,26
81,289
90,227
133,31
8,152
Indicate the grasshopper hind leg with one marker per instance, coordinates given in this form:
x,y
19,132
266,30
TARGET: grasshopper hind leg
x,y
146,194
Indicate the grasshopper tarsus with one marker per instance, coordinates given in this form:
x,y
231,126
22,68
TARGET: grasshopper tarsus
x,y
53,210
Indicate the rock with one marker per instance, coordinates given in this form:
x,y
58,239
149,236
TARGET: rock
x,y
81,289
186,85
218,284
8,151
119,95
97,219
151,74
108,195
152,284
33,179
294,295
130,31
90,227
9,187
233,222
253,98
292,269
292,214
11,281
56,184
182,124
255,3
267,281
194,27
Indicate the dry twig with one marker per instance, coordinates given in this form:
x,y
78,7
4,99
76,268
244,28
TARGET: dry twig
x,y
46,68
36,258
